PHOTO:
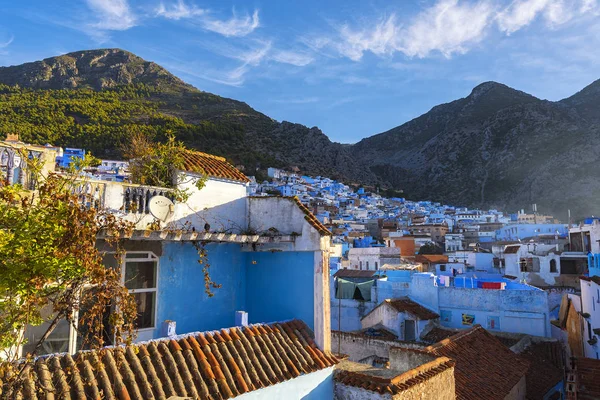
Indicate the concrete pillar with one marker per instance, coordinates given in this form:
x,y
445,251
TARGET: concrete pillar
x,y
322,305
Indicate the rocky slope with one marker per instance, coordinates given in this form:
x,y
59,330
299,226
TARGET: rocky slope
x,y
224,126
496,147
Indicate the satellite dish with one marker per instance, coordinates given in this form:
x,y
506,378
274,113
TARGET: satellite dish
x,y
161,208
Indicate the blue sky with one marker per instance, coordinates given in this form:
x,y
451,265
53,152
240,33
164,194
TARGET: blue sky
x,y
352,68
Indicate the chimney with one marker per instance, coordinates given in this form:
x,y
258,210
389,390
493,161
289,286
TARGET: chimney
x,y
241,318
168,328
12,137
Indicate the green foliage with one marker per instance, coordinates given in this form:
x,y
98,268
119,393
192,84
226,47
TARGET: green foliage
x,y
48,257
431,248
103,121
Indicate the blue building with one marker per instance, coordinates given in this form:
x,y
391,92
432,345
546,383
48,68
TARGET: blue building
x,y
522,231
70,155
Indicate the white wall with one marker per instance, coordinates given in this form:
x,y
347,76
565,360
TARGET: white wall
x,y
220,203
590,302
314,386
372,255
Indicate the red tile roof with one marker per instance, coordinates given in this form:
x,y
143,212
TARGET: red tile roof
x,y
587,371
215,166
595,279
211,365
310,217
405,304
431,258
512,249
393,384
353,273
437,334
546,368
485,368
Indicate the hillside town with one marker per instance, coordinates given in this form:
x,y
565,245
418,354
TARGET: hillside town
x,y
325,291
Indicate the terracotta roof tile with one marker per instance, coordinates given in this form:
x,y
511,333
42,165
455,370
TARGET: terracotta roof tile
x,y
512,249
353,273
485,368
587,371
393,384
310,217
210,365
546,368
215,166
405,304
437,334
431,258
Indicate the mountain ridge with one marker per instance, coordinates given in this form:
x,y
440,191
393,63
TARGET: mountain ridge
x,y
497,146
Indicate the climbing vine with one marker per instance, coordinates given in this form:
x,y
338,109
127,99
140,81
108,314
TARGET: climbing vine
x,y
209,284
49,260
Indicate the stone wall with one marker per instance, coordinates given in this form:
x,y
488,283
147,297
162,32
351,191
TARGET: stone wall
x,y
358,346
345,392
439,387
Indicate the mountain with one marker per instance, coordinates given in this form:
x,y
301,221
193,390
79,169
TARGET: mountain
x,y
96,98
496,147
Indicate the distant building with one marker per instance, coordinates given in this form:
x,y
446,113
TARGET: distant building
x,y
69,156
371,258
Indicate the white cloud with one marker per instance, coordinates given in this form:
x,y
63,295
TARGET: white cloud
x,y
178,11
521,13
235,26
300,100
112,14
292,57
448,27
7,43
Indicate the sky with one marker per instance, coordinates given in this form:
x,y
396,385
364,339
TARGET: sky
x,y
352,68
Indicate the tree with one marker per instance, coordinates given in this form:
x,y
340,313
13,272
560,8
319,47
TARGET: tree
x,y
49,258
431,248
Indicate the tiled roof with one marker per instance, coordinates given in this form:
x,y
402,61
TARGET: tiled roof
x,y
546,368
431,258
437,334
310,217
485,368
353,273
513,249
587,371
210,365
405,304
368,380
195,161
595,279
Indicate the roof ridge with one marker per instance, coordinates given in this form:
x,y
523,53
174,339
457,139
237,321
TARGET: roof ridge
x,y
220,158
458,336
289,346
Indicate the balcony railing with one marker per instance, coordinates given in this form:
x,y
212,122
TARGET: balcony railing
x,y
128,198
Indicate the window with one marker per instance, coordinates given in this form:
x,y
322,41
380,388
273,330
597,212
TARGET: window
x,y
367,265
443,267
60,340
140,273
376,265
360,264
553,266
523,265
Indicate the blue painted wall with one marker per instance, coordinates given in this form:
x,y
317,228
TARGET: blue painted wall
x,y
181,296
280,286
521,231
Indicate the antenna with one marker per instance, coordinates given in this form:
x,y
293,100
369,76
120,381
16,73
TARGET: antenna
x,y
161,208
